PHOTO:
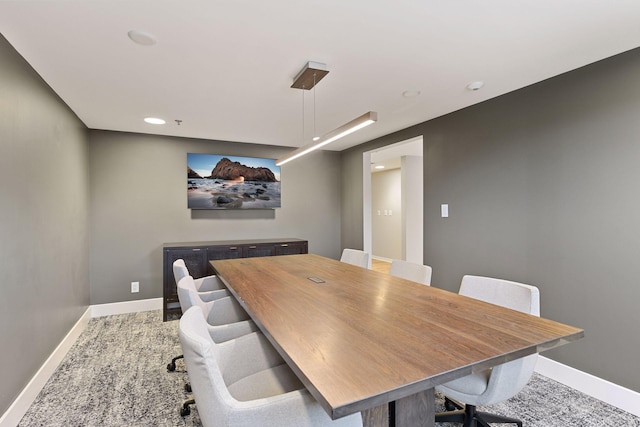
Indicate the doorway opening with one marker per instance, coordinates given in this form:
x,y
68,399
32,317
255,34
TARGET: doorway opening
x,y
393,201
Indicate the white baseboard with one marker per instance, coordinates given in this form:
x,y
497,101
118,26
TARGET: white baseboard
x,y
613,394
125,307
19,407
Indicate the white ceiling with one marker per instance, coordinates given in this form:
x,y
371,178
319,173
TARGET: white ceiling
x,y
225,67
390,156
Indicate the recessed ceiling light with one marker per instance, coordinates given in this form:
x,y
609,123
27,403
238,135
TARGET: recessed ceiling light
x,y
410,93
154,121
475,85
142,38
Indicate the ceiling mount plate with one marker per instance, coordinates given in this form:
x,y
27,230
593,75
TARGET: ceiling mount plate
x,y
305,78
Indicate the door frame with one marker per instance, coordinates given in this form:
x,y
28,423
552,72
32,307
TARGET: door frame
x,y
413,228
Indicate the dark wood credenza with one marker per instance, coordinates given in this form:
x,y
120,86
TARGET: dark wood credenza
x,y
197,255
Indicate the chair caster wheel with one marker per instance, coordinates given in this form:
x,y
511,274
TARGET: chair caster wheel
x,y
184,411
187,388
449,405
171,367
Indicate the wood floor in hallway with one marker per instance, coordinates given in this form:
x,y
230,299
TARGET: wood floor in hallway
x,y
380,265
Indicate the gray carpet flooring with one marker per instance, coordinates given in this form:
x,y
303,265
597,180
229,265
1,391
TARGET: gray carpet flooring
x,y
115,375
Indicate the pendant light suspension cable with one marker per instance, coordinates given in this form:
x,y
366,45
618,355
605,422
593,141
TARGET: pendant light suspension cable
x,y
315,136
303,113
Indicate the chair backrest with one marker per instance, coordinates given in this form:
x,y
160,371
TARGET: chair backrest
x,y
179,269
411,271
200,355
513,295
188,296
356,257
509,378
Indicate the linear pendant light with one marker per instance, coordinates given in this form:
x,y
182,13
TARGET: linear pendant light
x,y
307,79
344,130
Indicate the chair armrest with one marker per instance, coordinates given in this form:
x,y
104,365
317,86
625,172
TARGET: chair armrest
x,y
213,295
208,283
222,333
294,409
246,355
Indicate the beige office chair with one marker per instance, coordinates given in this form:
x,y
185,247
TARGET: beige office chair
x,y
500,382
411,271
356,257
245,383
227,311
225,318
209,286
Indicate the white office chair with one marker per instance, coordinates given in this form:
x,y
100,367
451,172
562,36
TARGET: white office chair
x,y
210,287
356,257
225,318
245,383
500,382
411,271
226,321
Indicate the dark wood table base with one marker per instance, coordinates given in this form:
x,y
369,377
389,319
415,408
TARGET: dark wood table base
x,y
404,412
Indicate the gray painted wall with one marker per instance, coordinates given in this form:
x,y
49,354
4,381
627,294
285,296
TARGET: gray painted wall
x,y
139,201
542,187
44,234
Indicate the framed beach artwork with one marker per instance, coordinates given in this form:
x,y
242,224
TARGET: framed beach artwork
x,y
230,182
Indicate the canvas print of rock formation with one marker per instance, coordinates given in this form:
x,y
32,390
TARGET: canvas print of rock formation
x,y
228,182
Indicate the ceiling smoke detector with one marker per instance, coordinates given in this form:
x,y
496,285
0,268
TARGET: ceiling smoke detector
x,y
142,38
475,85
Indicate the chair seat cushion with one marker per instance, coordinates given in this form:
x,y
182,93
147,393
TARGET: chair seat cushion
x,y
474,384
267,383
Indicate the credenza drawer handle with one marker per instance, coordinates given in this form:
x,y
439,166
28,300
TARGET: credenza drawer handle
x,y
252,247
284,245
195,250
233,248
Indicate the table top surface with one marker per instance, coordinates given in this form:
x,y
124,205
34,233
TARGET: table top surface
x,y
361,338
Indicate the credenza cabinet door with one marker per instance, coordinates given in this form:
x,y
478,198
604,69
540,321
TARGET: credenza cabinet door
x,y
222,252
291,248
265,249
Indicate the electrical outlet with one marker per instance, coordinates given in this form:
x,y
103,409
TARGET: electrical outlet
x,y
135,287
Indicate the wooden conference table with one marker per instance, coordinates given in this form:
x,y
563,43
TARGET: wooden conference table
x,y
360,339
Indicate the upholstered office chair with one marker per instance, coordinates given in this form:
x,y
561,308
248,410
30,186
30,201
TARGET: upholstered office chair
x,y
244,382
225,317
411,271
210,286
500,382
356,257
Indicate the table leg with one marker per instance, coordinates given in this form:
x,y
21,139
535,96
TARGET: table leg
x,y
376,417
416,410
